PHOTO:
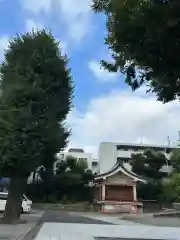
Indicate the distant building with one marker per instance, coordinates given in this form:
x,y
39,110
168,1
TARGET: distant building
x,y
109,153
77,153
115,183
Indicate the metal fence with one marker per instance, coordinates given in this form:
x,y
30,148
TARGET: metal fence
x,y
155,206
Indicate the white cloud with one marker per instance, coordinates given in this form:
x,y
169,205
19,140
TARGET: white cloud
x,y
32,24
77,16
123,116
4,40
100,73
36,7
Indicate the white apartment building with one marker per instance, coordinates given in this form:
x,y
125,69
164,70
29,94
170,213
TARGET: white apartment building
x,y
109,153
77,153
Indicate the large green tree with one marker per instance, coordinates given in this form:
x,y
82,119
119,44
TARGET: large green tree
x,y
36,94
52,144
75,177
175,160
70,182
73,171
144,39
148,164
175,185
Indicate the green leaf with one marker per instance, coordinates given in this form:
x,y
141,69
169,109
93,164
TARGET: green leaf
x,y
147,34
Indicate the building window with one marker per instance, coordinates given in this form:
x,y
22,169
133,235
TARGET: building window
x,y
118,147
135,149
123,160
126,160
123,148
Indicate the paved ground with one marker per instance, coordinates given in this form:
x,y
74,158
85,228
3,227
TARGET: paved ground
x,y
154,221
131,219
108,218
12,232
55,216
73,226
65,217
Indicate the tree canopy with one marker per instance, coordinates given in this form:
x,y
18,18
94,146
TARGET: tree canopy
x,y
74,171
175,160
144,40
148,164
175,185
36,95
70,182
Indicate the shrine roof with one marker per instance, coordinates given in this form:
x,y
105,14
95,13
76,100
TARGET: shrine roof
x,y
120,168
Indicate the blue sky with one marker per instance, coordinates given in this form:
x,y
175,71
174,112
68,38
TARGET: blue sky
x,y
80,49
105,108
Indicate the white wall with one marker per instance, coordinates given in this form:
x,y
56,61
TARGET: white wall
x,y
106,156
95,166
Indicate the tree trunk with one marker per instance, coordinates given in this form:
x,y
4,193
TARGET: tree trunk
x,y
14,202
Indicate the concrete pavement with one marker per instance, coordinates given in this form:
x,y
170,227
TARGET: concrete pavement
x,y
69,231
149,219
108,218
19,231
56,216
74,226
131,219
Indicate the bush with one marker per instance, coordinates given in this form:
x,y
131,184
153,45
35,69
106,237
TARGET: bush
x,y
149,191
169,193
57,192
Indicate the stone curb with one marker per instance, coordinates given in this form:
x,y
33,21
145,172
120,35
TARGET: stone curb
x,y
167,214
31,234
47,206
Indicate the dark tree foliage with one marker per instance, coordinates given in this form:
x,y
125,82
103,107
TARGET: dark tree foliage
x,y
36,94
72,170
175,160
70,183
138,163
150,191
148,164
144,39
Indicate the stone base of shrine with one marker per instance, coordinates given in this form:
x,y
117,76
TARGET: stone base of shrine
x,y
119,207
